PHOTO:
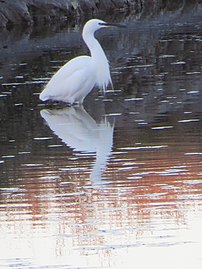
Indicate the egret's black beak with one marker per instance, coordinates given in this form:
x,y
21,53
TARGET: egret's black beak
x,y
106,24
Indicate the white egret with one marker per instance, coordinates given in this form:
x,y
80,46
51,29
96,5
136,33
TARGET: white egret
x,y
73,81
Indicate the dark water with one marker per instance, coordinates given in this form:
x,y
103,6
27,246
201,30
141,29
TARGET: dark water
x,y
116,183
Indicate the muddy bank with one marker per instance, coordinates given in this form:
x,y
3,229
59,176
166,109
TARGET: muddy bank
x,y
36,12
33,12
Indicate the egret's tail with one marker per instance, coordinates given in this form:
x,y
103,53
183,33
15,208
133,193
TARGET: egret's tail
x,y
43,96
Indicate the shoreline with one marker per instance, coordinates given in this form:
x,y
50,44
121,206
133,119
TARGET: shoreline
x,y
29,13
37,13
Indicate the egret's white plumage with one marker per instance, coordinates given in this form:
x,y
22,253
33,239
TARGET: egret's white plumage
x,y
73,81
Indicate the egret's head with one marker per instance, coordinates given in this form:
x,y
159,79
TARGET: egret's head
x,y
94,24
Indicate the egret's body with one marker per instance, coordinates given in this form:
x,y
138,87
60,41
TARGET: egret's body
x,y
73,81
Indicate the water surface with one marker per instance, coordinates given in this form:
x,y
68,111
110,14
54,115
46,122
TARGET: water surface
x,y
116,183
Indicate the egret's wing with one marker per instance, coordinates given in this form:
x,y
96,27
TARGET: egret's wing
x,y
69,69
69,79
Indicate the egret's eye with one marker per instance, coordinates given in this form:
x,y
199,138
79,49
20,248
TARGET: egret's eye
x,y
106,24
102,23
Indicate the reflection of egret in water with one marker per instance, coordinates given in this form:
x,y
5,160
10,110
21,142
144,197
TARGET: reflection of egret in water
x,y
78,130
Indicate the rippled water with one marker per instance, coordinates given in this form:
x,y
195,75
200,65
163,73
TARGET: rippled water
x,y
116,183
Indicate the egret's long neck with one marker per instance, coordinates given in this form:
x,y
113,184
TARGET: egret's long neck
x,y
103,77
95,48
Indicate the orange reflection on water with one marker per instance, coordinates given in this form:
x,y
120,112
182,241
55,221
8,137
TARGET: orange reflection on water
x,y
140,203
